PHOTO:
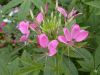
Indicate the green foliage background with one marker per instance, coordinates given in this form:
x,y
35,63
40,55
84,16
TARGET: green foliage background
x,y
27,60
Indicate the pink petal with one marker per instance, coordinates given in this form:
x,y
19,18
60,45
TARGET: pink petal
x,y
43,40
67,34
70,43
39,18
1,30
62,39
23,27
75,30
23,38
62,11
81,36
2,24
52,47
46,8
28,32
71,13
33,26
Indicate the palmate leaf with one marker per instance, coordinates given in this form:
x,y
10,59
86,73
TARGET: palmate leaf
x,y
59,65
26,59
79,53
29,66
29,69
86,62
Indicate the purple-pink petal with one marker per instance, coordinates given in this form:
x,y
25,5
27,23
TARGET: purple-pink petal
x,y
73,13
62,39
46,7
23,27
52,47
81,36
39,18
67,34
62,11
75,30
33,26
1,30
23,38
43,40
2,24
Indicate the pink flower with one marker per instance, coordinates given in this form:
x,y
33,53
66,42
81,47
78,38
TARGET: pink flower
x,y
39,18
2,24
33,26
24,38
73,13
44,43
24,28
76,35
62,11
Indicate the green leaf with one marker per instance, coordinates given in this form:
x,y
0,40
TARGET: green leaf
x,y
38,3
97,57
13,66
49,65
24,9
98,12
70,68
95,3
3,68
79,53
26,59
11,4
28,69
87,61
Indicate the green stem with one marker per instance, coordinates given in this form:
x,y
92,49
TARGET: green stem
x,y
68,56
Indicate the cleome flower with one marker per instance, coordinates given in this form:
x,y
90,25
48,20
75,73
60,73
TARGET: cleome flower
x,y
69,15
44,43
39,19
62,11
75,35
24,28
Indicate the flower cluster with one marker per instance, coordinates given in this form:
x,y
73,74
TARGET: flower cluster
x,y
70,37
25,26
